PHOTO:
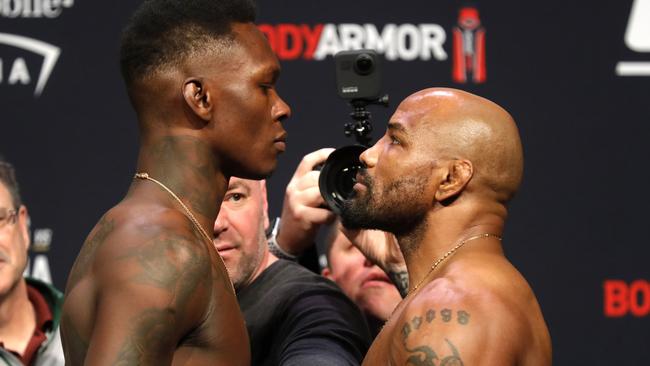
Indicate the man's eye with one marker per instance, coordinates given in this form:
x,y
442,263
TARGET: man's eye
x,y
394,141
236,197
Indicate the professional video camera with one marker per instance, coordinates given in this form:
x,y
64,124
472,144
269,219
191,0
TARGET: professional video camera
x,y
358,79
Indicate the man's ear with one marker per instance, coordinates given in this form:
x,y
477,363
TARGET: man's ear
x,y
325,272
198,98
456,177
23,224
265,204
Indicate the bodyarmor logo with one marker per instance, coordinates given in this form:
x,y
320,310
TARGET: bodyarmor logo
x,y
469,47
622,298
637,39
33,8
397,42
16,71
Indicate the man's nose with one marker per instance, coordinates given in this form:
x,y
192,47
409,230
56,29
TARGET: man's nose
x,y
221,223
281,109
369,157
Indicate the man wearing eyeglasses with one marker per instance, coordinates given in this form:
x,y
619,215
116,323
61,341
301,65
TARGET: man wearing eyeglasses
x,y
29,309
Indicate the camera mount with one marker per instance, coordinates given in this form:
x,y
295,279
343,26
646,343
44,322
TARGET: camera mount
x,y
361,127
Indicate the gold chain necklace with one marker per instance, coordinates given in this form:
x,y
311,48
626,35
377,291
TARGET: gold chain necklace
x,y
436,264
188,213
449,253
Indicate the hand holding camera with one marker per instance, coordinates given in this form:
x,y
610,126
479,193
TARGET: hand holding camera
x,y
303,210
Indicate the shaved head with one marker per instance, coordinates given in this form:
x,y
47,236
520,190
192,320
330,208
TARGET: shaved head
x,y
441,146
459,125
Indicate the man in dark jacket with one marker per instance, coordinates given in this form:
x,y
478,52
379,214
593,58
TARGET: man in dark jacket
x,y
293,316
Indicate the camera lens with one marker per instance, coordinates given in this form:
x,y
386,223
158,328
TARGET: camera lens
x,y
364,64
338,176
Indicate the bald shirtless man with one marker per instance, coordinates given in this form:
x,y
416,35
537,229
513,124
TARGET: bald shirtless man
x,y
148,287
440,180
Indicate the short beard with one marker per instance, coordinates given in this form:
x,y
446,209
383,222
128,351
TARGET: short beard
x,y
399,209
249,262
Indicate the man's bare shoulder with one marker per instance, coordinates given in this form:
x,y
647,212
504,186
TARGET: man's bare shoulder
x,y
140,232
142,270
474,316
448,324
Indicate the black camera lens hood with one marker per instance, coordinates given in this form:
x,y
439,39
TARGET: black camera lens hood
x,y
338,175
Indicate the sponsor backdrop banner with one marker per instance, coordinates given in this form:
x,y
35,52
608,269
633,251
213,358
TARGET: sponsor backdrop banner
x,y
575,75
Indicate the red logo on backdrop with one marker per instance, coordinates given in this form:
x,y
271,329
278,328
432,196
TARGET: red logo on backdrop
x,y
621,298
397,42
405,42
290,41
469,47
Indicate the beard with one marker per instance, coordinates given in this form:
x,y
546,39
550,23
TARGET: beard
x,y
397,208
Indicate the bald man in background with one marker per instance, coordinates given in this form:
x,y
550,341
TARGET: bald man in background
x,y
440,179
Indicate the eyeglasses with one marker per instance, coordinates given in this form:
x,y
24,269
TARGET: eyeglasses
x,y
7,216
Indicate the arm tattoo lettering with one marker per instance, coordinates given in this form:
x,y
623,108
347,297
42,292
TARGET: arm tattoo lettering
x,y
431,315
406,330
426,356
401,281
446,315
463,317
417,321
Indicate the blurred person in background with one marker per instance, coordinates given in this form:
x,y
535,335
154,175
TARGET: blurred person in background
x,y
363,281
29,309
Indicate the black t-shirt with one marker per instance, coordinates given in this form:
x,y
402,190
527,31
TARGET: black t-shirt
x,y
295,317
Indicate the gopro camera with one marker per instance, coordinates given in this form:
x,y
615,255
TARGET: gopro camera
x,y
358,74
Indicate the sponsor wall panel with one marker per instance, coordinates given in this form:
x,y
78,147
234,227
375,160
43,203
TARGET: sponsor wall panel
x,y
572,74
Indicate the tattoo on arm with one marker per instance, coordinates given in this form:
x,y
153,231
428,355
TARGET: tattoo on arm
x,y
149,334
178,268
401,281
426,356
101,232
462,317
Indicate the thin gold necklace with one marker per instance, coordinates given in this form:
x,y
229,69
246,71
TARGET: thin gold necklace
x,y
188,213
436,264
448,254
